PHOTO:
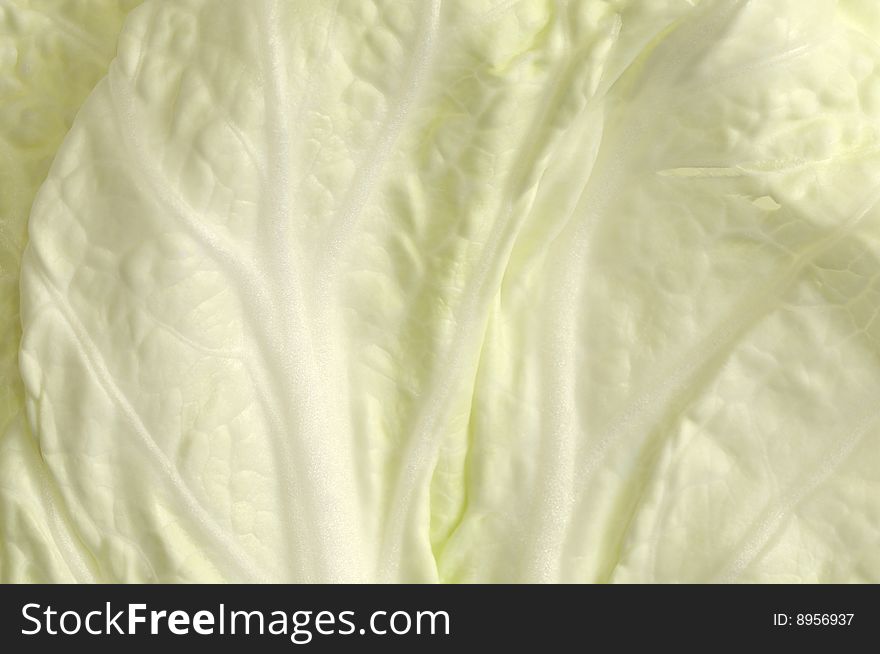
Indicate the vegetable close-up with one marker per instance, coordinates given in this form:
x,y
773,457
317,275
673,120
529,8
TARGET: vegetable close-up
x,y
440,291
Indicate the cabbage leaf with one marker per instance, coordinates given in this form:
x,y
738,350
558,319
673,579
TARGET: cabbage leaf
x,y
462,291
